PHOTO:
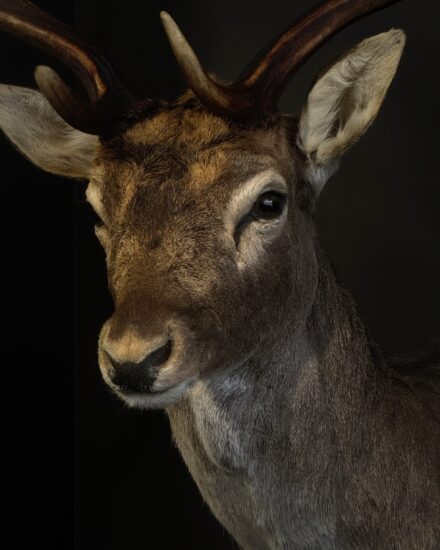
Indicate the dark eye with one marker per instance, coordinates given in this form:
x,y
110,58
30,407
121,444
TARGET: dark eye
x,y
268,205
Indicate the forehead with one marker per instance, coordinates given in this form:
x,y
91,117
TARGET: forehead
x,y
186,152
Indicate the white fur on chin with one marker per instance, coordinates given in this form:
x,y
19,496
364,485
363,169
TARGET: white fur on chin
x,y
158,400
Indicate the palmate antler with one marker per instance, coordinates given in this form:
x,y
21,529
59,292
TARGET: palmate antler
x,y
254,97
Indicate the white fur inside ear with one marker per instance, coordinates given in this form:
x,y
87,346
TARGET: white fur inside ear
x,y
344,102
38,132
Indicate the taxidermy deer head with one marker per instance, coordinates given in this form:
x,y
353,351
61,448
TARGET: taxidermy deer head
x,y
207,202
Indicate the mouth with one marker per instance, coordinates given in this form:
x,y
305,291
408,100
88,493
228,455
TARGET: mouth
x,y
155,385
155,399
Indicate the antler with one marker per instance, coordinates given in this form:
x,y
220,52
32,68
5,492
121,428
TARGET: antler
x,y
253,97
108,102
256,94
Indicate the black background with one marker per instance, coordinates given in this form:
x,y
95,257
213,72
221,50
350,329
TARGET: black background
x,y
80,470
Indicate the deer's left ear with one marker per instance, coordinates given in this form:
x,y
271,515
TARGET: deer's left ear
x,y
345,100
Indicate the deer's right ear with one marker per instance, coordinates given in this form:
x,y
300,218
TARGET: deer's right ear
x,y
344,102
38,132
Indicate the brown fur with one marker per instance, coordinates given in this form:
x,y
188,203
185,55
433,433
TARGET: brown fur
x,y
166,183
296,433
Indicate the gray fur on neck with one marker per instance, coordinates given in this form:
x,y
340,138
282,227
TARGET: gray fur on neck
x,y
313,443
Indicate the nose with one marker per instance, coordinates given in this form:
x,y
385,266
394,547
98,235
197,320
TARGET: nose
x,y
138,377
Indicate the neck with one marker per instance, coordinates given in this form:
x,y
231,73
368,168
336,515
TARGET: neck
x,y
321,370
336,336
283,422
327,352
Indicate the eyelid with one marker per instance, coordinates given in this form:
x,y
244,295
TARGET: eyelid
x,y
248,217
101,233
98,218
244,195
94,198
100,228
275,185
271,187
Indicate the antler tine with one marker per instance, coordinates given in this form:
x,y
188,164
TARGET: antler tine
x,y
269,76
105,92
223,100
256,94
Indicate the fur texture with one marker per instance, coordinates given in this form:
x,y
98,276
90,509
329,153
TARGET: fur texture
x,y
29,121
296,432
345,101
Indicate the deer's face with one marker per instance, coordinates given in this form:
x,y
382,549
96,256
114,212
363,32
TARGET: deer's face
x,y
201,232
205,224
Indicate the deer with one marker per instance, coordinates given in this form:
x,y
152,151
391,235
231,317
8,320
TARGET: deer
x,y
227,312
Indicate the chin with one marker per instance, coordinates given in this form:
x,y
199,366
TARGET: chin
x,y
156,400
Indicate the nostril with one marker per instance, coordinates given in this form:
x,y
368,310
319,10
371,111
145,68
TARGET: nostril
x,y
157,357
111,371
138,377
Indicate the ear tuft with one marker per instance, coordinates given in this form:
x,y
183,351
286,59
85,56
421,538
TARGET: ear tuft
x,y
345,100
